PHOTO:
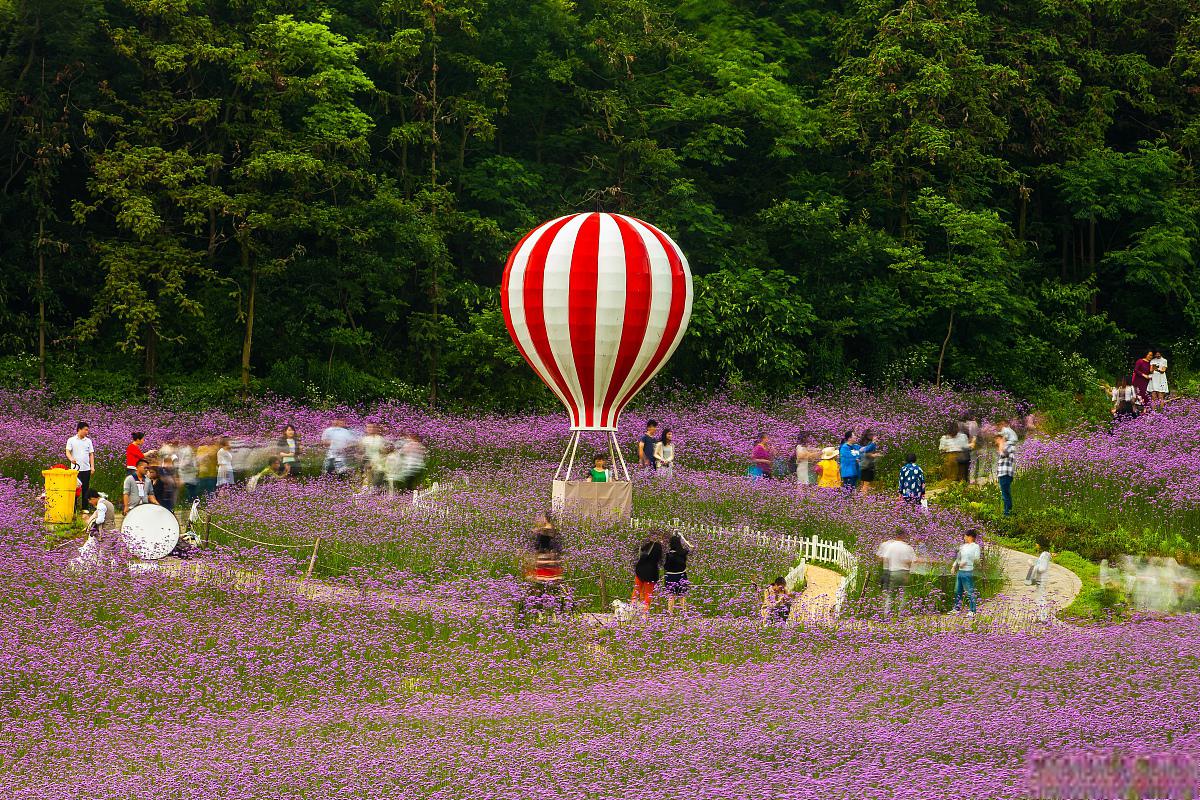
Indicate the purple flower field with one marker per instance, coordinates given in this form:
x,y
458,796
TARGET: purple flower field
x,y
118,685
1144,476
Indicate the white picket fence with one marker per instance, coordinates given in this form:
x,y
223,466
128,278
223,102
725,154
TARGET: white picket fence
x,y
420,497
812,548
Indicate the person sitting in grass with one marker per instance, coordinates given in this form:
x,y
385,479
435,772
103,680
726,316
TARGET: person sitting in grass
x,y
274,470
777,602
599,472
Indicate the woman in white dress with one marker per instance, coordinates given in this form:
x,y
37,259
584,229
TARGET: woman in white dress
x,y
664,453
1158,381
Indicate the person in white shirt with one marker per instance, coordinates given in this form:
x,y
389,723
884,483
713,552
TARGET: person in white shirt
x,y
185,465
414,460
373,457
1008,433
393,468
81,454
967,557
664,453
1158,381
337,440
225,474
896,556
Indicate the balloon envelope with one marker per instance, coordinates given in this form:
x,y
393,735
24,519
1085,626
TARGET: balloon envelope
x,y
596,303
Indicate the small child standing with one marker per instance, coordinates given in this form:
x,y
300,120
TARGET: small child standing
x,y
599,473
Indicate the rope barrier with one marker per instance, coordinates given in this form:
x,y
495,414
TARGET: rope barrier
x,y
264,544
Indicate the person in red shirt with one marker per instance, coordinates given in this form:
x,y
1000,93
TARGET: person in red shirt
x,y
134,454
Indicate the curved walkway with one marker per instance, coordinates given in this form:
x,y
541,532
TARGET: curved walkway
x,y
1020,602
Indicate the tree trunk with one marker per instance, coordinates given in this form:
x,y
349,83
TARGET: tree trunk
x,y
151,357
942,355
249,337
1092,264
41,287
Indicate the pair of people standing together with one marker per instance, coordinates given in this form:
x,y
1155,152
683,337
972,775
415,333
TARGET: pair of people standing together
x,y
657,453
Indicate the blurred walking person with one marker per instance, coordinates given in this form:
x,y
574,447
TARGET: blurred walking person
x,y
337,440
545,569
867,458
1123,398
896,558
225,474
955,448
373,457
81,455
806,457
206,466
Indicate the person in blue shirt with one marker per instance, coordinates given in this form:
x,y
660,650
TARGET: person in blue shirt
x,y
851,451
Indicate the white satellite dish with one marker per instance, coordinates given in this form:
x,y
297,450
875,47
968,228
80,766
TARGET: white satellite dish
x,y
150,532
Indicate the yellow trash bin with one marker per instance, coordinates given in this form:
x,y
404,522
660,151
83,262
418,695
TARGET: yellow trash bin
x,y
60,494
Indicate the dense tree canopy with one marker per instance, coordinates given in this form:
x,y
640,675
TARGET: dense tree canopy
x,y
316,197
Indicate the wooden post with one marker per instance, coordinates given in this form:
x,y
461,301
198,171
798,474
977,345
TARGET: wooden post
x,y
207,527
603,594
312,560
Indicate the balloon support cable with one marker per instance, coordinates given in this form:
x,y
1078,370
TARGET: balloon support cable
x,y
566,464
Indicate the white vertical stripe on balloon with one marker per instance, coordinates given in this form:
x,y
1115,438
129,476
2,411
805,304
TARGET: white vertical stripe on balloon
x,y
610,309
660,307
556,300
517,310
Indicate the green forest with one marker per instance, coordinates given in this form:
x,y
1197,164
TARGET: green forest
x,y
316,197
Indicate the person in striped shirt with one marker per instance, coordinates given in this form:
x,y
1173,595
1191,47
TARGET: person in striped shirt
x,y
1006,467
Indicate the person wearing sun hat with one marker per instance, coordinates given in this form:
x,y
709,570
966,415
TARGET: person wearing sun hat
x,y
829,476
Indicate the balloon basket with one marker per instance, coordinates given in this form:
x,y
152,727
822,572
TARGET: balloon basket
x,y
612,498
566,464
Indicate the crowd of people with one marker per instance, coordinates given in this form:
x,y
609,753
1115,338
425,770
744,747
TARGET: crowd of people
x,y
1145,390
179,470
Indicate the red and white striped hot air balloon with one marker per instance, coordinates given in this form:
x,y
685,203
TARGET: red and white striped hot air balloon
x,y
596,303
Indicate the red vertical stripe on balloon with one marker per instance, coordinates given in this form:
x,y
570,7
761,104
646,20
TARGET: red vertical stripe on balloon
x,y
535,313
674,316
581,290
504,292
638,286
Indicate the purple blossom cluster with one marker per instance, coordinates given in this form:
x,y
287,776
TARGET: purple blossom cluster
x,y
144,686
1143,474
709,432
